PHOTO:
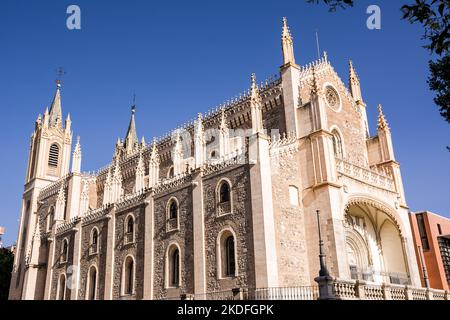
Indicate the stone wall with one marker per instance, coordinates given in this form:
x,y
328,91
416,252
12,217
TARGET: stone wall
x,y
97,259
289,222
240,220
183,237
135,249
58,266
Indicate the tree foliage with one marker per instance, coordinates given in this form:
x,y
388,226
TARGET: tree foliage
x,y
6,265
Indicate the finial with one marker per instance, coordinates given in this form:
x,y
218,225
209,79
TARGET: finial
x,y
253,80
315,87
133,109
382,123
325,56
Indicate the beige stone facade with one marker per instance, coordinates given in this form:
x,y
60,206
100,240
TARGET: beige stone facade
x,y
227,202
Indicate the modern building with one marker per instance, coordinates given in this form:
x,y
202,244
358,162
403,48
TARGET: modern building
x,y
225,203
432,242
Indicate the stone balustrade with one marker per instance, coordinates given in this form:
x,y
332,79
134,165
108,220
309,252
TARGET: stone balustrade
x,y
361,290
343,290
365,175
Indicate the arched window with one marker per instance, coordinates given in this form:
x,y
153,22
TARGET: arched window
x,y
173,210
64,250
129,229
53,156
337,144
172,220
213,154
174,267
50,218
229,257
128,274
92,284
94,241
224,192
171,172
227,253
224,197
62,287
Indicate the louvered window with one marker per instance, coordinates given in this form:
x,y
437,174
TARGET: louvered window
x,y
53,156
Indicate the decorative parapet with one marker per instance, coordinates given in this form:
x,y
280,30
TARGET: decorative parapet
x,y
96,213
285,144
375,178
131,200
66,226
233,159
173,183
53,188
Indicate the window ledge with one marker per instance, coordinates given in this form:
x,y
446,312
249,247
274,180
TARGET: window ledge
x,y
224,214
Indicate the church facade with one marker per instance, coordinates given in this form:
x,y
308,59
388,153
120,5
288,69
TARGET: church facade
x,y
225,203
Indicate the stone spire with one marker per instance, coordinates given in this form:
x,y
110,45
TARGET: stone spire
x,y
107,188
256,107
177,155
60,204
354,85
55,115
199,142
140,174
84,198
131,139
224,135
153,167
76,157
382,123
116,183
287,44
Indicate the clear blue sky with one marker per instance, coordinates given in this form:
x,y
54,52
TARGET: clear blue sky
x,y
182,57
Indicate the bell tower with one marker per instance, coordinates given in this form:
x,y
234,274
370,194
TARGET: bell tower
x,y
48,161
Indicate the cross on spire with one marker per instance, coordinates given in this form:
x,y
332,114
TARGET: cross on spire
x,y
60,72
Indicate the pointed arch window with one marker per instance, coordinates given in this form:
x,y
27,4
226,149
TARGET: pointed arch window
x,y
94,241
92,284
50,218
227,254
174,267
128,276
224,197
129,229
172,215
337,144
173,210
171,172
62,287
64,251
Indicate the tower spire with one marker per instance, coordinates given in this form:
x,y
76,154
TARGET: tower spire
x,y
255,106
131,139
76,157
287,44
354,85
382,122
55,115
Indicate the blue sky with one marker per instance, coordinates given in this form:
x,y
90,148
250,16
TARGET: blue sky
x,y
182,57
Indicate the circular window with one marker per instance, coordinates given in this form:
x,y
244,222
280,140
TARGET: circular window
x,y
332,98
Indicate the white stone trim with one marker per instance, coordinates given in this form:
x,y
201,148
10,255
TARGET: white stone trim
x,y
219,248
